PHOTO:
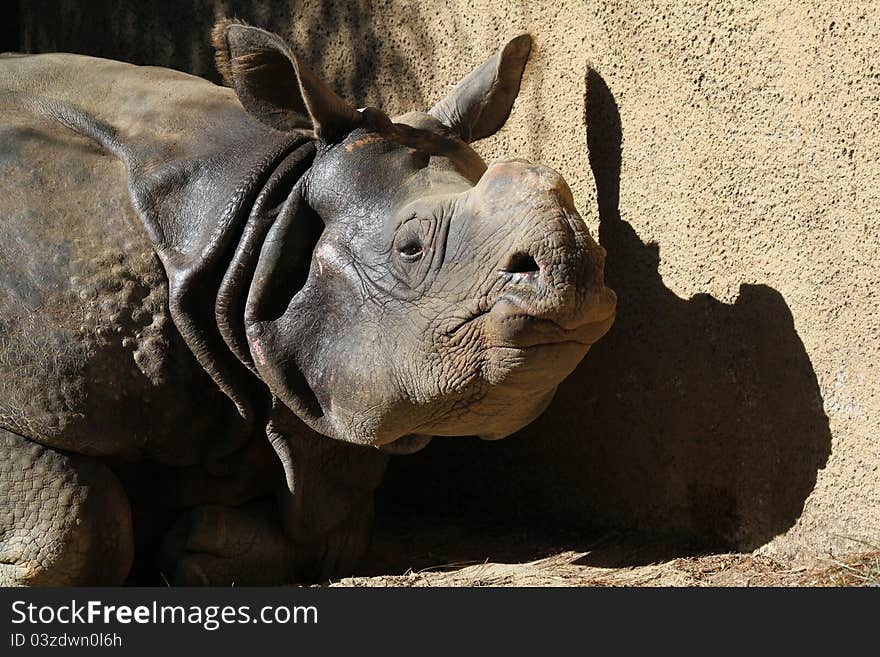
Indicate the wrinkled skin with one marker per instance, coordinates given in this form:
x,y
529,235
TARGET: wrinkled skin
x,y
222,308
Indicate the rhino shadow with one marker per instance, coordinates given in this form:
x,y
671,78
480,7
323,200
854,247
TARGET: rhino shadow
x,y
694,423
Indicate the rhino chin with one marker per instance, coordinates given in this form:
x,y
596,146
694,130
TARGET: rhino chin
x,y
406,445
510,425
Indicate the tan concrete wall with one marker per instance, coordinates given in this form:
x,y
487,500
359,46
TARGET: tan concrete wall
x,y
728,156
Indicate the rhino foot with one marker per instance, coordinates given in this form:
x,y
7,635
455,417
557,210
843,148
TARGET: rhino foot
x,y
64,521
226,546
246,546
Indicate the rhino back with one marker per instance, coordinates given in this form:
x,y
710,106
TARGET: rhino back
x,y
90,360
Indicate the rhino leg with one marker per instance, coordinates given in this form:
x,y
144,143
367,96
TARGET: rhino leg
x,y
246,546
64,519
321,531
318,527
223,545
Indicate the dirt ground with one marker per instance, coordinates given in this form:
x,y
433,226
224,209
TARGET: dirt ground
x,y
443,553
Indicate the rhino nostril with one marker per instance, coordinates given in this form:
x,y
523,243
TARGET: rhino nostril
x,y
521,263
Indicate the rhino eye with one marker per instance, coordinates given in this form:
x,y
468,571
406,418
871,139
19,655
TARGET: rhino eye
x,y
411,251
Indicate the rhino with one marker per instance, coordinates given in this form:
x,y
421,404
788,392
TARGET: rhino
x,y
222,308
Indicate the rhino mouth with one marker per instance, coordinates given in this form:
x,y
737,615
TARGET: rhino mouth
x,y
518,324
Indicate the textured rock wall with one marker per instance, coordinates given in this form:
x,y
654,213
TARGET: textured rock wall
x,y
726,154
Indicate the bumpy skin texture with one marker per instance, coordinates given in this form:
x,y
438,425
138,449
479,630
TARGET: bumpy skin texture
x,y
65,519
202,286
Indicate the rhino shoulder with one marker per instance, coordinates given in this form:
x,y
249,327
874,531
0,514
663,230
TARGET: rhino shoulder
x,y
90,361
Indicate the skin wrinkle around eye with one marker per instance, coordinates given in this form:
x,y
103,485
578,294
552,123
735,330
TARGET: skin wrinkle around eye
x,y
409,236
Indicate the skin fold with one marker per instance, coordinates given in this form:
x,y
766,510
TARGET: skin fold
x,y
222,308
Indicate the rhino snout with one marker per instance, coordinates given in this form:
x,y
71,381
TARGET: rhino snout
x,y
552,272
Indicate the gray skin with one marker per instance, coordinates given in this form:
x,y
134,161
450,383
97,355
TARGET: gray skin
x,y
222,308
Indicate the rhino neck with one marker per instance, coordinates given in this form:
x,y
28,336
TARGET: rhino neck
x,y
272,205
209,281
208,215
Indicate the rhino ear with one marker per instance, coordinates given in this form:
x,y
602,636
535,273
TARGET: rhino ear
x,y
275,86
480,104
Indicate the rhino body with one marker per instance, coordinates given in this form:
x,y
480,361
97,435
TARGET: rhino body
x,y
188,309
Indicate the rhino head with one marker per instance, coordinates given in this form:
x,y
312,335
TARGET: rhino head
x,y
409,290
